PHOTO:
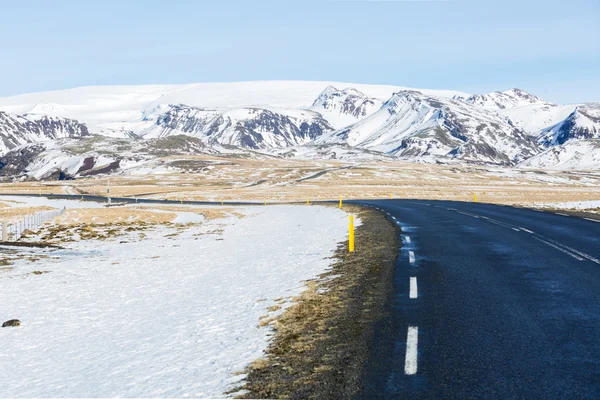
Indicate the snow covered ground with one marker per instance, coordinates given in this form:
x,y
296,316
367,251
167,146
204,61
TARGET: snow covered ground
x,y
591,205
172,312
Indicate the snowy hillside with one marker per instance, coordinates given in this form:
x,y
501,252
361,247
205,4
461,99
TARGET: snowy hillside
x,y
502,100
574,154
329,152
412,124
345,107
583,123
93,155
534,118
116,110
525,110
17,130
272,116
251,128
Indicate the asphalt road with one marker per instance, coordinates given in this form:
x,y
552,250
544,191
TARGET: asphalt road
x,y
489,302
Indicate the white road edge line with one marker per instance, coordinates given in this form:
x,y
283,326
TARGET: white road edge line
x,y
526,230
412,343
564,215
593,220
414,291
411,257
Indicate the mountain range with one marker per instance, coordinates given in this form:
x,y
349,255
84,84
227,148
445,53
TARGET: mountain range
x,y
291,119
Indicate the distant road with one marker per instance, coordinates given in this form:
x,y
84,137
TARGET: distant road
x,y
490,302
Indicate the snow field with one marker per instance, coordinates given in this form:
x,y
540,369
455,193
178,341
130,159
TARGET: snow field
x,y
163,316
589,205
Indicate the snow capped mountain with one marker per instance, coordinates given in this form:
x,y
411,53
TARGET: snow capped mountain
x,y
502,100
16,130
534,118
253,128
298,120
583,123
411,124
92,155
573,154
112,110
344,107
524,110
266,128
178,119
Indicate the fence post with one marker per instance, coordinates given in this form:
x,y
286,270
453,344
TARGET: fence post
x,y
351,234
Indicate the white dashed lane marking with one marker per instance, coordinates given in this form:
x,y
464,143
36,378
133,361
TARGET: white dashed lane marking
x,y
412,343
411,257
414,291
407,238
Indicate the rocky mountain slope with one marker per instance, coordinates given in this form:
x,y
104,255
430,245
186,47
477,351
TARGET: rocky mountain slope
x,y
534,118
252,128
573,154
294,119
94,155
16,130
344,107
582,123
502,100
413,125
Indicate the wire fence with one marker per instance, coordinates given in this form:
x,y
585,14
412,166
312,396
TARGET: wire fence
x,y
12,231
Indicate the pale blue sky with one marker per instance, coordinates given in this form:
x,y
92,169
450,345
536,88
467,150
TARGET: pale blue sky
x,y
551,48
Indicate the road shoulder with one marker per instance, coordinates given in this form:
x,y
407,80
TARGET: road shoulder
x,y
322,341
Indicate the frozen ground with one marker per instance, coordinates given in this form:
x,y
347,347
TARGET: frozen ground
x,y
575,205
171,314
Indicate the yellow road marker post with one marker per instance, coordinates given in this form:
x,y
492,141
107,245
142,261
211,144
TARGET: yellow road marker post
x,y
351,233
307,201
475,197
340,201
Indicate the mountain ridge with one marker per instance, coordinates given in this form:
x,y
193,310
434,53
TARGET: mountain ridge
x,y
502,128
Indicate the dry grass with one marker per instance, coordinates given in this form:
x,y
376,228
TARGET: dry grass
x,y
208,213
17,213
111,216
280,180
321,340
70,232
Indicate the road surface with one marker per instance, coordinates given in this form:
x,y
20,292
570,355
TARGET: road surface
x,y
489,302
